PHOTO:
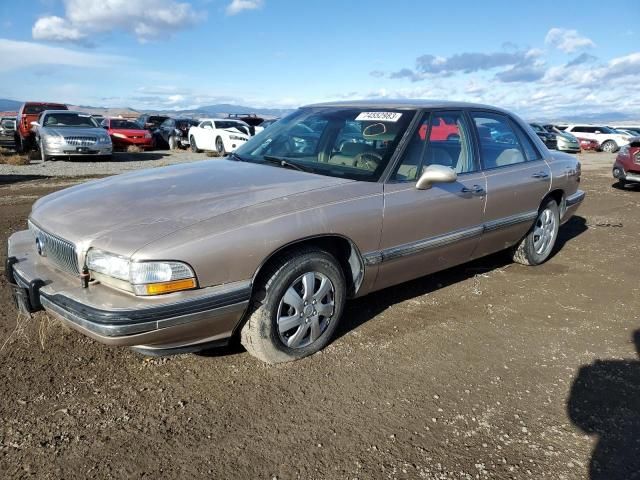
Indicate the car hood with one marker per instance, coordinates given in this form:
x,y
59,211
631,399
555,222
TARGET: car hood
x,y
73,131
126,212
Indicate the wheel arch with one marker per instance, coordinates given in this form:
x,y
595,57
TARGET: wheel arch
x,y
559,196
341,247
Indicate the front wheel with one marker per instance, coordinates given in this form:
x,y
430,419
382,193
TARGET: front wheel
x,y
302,299
43,155
194,146
609,146
220,146
538,244
173,143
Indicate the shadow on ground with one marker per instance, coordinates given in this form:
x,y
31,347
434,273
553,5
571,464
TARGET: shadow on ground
x,y
10,179
363,309
632,186
605,402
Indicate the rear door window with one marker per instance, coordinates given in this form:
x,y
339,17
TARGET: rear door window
x,y
499,144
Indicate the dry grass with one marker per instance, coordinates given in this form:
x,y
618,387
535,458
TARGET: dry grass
x,y
16,160
212,154
134,149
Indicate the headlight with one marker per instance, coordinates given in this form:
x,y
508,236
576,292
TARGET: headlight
x,y
144,278
624,150
105,139
119,135
53,140
236,137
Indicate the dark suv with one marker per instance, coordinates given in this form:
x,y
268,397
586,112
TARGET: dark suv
x,y
174,132
250,119
29,112
151,122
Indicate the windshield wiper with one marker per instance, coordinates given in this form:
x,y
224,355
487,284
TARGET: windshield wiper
x,y
286,163
236,157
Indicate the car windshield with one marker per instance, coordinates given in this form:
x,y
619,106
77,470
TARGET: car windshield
x,y
69,120
606,130
125,124
229,124
342,142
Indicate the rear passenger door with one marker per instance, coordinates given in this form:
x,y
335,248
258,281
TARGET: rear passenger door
x,y
517,177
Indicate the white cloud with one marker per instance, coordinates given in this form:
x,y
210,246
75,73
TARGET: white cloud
x,y
57,29
567,40
17,55
146,19
239,6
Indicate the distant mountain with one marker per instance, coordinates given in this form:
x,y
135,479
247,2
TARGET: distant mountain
x,y
9,105
222,110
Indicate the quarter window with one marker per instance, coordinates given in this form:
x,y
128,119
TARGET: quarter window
x,y
441,139
499,144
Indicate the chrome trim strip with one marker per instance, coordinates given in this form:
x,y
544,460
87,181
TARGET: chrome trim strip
x,y
430,243
380,256
575,198
510,221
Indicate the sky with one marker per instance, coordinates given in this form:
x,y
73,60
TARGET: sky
x,y
540,59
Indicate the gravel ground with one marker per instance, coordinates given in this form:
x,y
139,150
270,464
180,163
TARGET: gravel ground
x,y
489,370
122,162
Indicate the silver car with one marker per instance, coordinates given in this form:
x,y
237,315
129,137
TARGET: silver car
x,y
64,133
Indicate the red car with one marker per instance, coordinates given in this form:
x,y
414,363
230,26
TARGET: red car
x,y
627,165
125,133
442,128
589,144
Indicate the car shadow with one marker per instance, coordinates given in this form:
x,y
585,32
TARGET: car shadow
x,y
605,402
138,156
361,310
11,179
627,187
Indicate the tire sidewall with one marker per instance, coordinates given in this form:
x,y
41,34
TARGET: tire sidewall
x,y
194,146
318,262
613,145
220,143
534,257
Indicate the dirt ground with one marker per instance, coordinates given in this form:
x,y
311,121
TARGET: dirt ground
x,y
487,370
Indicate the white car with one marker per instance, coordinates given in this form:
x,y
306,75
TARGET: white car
x,y
610,140
220,135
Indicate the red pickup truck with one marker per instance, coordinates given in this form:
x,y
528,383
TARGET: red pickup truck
x,y
29,112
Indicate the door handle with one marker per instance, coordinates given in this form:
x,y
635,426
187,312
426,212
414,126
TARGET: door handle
x,y
476,190
540,175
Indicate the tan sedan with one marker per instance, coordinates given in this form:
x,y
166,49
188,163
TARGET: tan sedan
x,y
334,201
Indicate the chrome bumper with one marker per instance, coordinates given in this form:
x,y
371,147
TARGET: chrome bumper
x,y
119,318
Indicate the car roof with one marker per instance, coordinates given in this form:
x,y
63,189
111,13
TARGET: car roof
x,y
221,120
407,104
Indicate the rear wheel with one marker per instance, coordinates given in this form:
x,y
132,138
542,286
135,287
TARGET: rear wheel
x,y
609,146
302,299
220,146
538,244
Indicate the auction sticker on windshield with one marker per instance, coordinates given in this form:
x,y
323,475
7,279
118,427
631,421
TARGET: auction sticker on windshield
x,y
379,116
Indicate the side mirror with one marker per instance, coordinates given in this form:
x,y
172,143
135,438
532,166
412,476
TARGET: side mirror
x,y
436,174
34,124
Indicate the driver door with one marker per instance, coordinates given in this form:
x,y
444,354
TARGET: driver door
x,y
429,230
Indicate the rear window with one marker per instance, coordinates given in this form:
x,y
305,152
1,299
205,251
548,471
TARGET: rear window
x,y
36,109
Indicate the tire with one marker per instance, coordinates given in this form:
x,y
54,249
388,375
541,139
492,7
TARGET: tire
x,y
173,143
44,157
220,147
194,146
609,146
536,247
263,334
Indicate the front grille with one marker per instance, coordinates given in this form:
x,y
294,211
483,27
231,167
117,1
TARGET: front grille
x,y
58,251
80,141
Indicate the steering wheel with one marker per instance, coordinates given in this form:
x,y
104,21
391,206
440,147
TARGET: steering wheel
x,y
367,160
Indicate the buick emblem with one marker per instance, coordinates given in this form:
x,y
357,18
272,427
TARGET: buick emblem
x,y
40,248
